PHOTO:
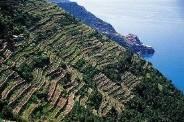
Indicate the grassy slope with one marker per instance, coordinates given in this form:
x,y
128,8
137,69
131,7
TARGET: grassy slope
x,y
64,70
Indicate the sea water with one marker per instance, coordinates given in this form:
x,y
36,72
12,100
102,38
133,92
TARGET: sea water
x,y
158,23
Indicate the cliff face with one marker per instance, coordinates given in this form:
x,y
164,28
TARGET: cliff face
x,y
87,17
59,69
103,27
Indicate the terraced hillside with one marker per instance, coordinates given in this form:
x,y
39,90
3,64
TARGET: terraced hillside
x,y
54,68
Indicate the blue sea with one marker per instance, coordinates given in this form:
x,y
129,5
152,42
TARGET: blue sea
x,y
159,23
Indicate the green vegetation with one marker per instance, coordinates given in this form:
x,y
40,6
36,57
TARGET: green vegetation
x,y
5,111
54,68
79,113
25,71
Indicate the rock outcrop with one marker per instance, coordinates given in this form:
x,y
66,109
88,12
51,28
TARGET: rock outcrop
x,y
103,27
58,69
138,46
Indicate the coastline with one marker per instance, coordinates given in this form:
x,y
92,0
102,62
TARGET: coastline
x,y
103,27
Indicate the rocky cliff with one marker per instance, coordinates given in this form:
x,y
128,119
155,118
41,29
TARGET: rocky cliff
x,y
103,27
55,68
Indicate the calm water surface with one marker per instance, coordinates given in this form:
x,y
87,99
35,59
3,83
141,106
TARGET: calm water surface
x,y
159,23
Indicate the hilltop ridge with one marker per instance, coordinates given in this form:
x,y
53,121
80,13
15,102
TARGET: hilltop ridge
x,y
103,27
55,68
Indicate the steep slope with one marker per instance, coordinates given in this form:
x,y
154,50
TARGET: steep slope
x,y
103,27
54,68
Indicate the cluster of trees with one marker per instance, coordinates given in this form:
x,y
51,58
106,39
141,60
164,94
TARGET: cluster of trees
x,y
88,71
95,100
39,60
25,71
156,99
81,114
8,16
5,111
6,29
13,22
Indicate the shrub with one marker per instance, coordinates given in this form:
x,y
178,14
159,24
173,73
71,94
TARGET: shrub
x,y
41,60
95,99
25,71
